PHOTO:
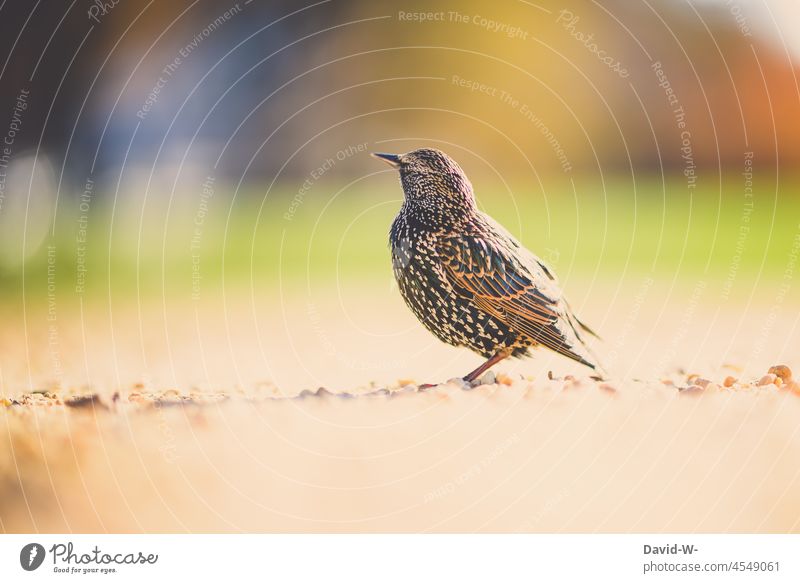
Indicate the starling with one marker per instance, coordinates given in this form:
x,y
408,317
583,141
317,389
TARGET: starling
x,y
466,278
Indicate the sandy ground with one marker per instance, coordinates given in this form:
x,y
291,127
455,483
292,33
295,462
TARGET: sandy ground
x,y
548,455
142,419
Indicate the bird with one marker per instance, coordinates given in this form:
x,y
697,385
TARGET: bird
x,y
466,278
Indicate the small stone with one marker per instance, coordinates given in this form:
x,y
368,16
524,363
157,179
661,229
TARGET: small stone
x,y
406,382
307,393
767,379
692,390
702,382
462,384
504,379
781,371
729,381
84,401
607,388
488,378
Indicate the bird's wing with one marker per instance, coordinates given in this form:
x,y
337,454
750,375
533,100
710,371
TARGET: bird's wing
x,y
515,288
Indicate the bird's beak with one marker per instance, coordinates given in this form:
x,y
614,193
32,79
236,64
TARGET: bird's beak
x,y
392,160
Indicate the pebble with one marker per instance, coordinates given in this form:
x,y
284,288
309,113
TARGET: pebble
x,y
729,381
488,378
692,390
607,388
462,384
308,393
781,371
85,401
504,379
767,379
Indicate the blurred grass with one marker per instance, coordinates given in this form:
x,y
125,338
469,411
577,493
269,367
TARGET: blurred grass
x,y
583,231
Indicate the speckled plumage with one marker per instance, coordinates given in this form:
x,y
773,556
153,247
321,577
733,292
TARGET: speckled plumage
x,y
465,277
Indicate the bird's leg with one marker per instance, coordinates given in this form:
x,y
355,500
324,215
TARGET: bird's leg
x,y
486,365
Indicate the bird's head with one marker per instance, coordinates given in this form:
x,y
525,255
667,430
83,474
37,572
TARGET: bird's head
x,y
433,183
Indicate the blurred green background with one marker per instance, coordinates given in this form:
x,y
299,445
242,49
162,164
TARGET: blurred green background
x,y
342,236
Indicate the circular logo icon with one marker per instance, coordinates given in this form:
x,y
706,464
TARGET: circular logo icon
x,y
31,556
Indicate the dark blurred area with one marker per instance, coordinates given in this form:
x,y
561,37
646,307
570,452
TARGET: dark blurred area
x,y
261,88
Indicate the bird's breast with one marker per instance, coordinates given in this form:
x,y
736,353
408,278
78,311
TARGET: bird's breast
x,y
413,250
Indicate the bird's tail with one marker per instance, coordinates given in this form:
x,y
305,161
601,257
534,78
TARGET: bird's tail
x,y
586,328
589,357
